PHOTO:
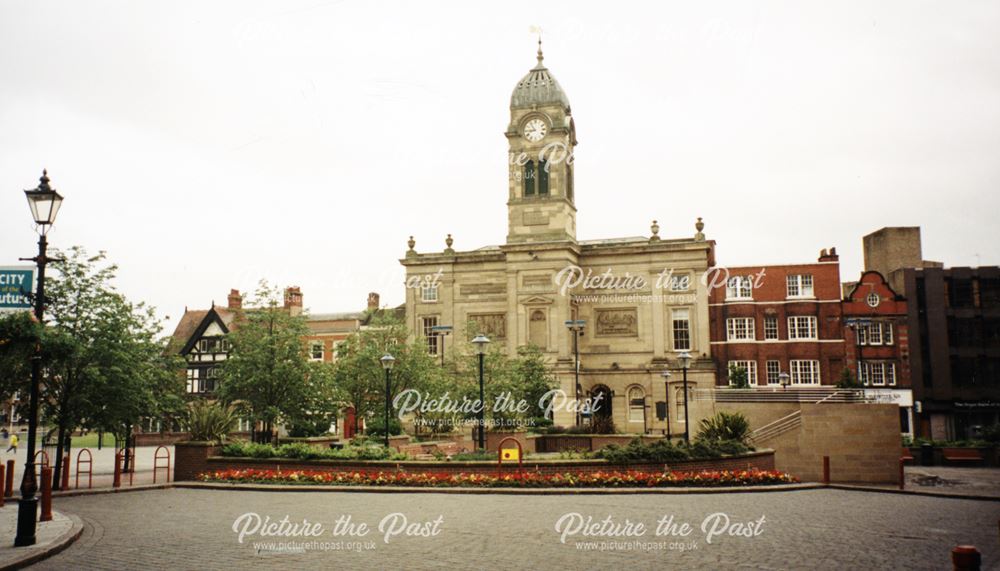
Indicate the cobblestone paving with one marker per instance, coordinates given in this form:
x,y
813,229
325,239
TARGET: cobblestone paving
x,y
814,529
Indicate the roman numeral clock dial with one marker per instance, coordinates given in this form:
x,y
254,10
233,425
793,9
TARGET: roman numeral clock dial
x,y
535,130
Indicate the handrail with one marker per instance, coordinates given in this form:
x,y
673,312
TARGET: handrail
x,y
777,427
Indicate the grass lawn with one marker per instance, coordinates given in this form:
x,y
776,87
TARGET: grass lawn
x,y
90,440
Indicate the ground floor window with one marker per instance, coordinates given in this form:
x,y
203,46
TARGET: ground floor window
x,y
636,405
773,372
805,372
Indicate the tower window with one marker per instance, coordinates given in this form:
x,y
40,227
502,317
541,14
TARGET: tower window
x,y
543,178
529,178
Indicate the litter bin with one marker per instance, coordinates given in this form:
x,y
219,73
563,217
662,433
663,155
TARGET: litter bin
x,y
926,455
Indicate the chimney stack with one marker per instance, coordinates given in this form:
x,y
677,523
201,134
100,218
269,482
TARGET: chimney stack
x,y
373,301
293,300
235,299
829,256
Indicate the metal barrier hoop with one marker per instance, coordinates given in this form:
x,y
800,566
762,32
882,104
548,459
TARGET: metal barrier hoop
x,y
90,467
156,462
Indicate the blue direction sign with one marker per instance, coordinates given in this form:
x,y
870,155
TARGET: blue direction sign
x,y
15,283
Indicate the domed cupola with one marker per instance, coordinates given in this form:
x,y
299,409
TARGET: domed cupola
x,y
538,88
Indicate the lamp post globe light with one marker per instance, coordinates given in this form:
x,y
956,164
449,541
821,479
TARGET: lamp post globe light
x,y
784,378
576,326
387,361
685,360
480,341
666,399
44,203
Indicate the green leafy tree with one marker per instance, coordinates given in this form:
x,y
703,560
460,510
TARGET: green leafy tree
x,y
358,374
266,373
19,335
738,377
104,367
847,380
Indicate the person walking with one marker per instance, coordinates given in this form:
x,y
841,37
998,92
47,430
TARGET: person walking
x,y
13,443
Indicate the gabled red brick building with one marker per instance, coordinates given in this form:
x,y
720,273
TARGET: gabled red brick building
x,y
876,333
770,320
877,342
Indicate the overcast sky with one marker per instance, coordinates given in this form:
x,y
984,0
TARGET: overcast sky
x,y
207,145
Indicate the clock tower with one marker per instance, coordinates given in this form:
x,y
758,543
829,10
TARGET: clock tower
x,y
541,137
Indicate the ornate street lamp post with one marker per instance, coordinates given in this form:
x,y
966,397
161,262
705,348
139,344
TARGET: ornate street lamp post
x,y
784,379
441,331
480,341
685,359
44,203
666,399
577,326
387,361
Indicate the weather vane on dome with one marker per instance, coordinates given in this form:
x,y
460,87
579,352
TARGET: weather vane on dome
x,y
538,30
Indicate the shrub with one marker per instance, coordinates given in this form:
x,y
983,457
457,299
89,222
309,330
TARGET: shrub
x,y
210,421
302,451
376,427
725,426
637,452
738,377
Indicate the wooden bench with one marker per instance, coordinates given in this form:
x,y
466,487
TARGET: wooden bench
x,y
961,455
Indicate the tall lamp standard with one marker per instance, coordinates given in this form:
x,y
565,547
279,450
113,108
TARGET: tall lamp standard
x,y
44,203
784,379
480,341
685,359
576,326
441,331
666,399
387,361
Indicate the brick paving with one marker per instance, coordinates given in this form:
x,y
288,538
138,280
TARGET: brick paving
x,y
812,529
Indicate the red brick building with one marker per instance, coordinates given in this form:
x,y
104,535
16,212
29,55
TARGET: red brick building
x,y
770,320
877,342
875,332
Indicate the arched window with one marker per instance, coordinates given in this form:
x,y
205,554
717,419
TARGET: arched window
x,y
537,329
529,178
636,405
543,178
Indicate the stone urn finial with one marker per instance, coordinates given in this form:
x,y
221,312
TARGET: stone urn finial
x,y
449,241
655,229
699,226
411,242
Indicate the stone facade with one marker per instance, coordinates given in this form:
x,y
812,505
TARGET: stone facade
x,y
523,291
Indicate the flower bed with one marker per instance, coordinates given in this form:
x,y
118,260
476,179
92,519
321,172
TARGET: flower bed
x,y
610,479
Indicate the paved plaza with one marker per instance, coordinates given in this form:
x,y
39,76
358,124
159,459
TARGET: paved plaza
x,y
810,529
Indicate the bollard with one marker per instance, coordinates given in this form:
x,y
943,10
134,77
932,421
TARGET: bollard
x,y
3,480
902,474
46,495
8,490
966,558
826,470
118,472
65,473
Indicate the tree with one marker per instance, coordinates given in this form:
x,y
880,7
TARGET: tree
x,y
358,374
523,377
104,367
738,377
847,380
266,373
19,335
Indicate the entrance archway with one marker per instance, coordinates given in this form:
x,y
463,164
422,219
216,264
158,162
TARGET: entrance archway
x,y
600,402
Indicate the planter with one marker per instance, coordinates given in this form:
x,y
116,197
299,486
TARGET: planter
x,y
191,458
761,460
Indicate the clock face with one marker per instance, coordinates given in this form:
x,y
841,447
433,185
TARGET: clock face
x,y
534,130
